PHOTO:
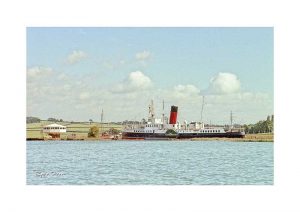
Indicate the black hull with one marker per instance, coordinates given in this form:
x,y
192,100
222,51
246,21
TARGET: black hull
x,y
212,135
146,135
128,135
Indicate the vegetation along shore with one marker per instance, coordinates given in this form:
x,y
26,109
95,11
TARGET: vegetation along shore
x,y
262,131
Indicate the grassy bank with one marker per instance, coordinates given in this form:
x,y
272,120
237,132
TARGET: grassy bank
x,y
260,137
34,130
80,130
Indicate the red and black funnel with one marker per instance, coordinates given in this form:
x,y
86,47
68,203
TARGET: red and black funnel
x,y
173,115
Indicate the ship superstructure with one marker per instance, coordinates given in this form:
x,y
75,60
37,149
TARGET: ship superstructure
x,y
170,128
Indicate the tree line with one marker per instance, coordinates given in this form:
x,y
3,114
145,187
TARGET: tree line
x,y
263,126
31,119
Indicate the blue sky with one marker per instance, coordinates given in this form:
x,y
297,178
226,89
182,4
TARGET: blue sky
x,y
92,67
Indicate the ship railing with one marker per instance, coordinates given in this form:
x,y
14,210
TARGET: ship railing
x,y
134,126
236,129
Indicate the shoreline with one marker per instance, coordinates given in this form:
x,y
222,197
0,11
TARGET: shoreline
x,y
233,139
79,132
251,138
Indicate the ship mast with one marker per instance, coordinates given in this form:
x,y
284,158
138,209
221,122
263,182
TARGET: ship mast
x,y
151,112
202,109
163,115
231,120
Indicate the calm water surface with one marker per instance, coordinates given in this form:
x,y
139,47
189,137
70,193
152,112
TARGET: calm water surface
x,y
149,162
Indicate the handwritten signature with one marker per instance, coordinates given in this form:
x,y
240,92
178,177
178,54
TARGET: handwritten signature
x,y
43,174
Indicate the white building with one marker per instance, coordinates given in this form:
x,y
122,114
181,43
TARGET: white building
x,y
54,130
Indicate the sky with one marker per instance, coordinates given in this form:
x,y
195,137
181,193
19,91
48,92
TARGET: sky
x,y
74,73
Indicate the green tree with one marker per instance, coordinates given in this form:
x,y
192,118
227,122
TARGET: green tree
x,y
263,126
269,126
93,132
114,131
171,132
53,119
246,128
32,120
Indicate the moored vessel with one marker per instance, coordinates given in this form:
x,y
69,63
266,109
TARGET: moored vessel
x,y
168,129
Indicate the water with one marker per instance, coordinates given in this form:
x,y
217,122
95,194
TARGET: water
x,y
149,163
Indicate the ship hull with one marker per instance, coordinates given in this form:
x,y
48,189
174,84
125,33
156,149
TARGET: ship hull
x,y
132,135
211,135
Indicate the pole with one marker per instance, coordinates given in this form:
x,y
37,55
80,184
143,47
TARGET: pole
x,y
202,108
163,121
101,122
231,119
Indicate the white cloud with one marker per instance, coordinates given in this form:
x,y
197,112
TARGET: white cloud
x,y
62,76
49,97
114,64
248,107
238,98
136,81
224,83
76,56
84,95
139,80
67,87
108,65
144,55
191,89
38,72
184,91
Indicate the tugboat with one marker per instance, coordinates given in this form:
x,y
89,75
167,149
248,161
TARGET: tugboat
x,y
167,129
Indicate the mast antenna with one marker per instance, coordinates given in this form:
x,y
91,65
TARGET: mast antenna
x,y
163,115
231,119
101,121
151,111
102,116
202,108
